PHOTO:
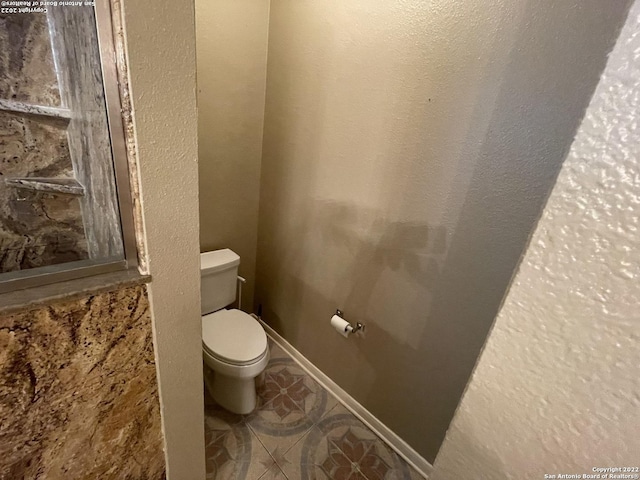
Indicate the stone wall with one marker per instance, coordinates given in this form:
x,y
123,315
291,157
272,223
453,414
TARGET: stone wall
x,y
36,228
78,391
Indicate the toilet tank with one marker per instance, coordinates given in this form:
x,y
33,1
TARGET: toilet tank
x,y
218,279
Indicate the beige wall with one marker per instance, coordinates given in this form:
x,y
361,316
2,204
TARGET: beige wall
x,y
232,67
160,44
408,149
556,389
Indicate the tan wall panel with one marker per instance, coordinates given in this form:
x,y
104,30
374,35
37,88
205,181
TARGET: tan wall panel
x,y
232,67
408,150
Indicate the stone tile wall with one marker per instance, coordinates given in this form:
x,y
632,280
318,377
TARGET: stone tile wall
x,y
36,228
78,391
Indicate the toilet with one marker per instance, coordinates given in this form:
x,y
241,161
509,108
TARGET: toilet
x,y
234,343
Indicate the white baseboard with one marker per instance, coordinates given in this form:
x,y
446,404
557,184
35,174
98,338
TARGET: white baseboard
x,y
401,447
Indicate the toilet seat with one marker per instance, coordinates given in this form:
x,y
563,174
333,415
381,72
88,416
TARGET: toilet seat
x,y
233,337
230,363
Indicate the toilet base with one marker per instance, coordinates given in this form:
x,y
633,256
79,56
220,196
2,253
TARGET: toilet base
x,y
238,395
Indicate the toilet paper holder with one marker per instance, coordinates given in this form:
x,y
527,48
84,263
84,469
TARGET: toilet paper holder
x,y
350,327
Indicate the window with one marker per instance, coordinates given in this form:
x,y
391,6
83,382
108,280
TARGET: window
x,y
65,202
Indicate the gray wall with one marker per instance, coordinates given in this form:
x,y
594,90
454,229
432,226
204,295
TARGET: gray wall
x,y
408,150
231,43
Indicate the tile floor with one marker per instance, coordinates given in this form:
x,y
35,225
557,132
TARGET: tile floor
x,y
298,431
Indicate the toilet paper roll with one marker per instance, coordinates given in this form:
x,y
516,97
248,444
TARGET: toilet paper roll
x,y
341,325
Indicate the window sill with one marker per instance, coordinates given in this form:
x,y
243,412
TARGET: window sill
x,y
28,299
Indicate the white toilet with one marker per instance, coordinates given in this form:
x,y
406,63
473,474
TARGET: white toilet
x,y
234,344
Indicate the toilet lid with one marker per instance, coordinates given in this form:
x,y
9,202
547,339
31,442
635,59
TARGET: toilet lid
x,y
233,336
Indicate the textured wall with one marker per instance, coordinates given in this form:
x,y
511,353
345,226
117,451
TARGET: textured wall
x,y
232,67
556,389
160,44
408,149
78,391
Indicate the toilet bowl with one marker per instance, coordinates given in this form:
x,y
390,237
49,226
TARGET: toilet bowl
x,y
235,351
234,344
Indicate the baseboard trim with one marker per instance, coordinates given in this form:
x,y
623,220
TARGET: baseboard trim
x,y
401,447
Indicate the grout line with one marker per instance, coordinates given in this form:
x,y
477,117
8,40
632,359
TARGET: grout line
x,y
282,472
254,434
285,452
269,469
265,449
285,475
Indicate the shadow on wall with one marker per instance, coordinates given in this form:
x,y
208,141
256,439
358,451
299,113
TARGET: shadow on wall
x,y
385,275
369,241
414,251
361,226
354,217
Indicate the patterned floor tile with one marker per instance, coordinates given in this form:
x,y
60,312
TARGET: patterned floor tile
x,y
258,467
290,403
236,455
233,451
217,417
275,351
297,432
340,447
273,473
